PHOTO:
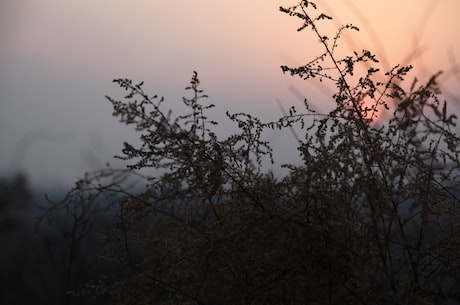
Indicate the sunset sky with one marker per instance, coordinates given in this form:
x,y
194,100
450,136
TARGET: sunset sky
x,y
58,59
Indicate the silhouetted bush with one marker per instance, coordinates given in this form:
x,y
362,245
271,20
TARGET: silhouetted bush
x,y
370,216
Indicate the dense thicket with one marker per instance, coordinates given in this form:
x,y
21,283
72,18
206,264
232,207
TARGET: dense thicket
x,y
370,216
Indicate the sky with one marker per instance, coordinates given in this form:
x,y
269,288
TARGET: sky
x,y
58,59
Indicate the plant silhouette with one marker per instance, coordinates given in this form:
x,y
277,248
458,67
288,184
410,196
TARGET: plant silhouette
x,y
370,216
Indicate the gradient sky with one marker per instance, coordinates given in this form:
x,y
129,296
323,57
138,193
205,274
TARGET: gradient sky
x,y
58,58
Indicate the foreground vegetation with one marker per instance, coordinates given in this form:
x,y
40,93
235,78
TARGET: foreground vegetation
x,y
370,216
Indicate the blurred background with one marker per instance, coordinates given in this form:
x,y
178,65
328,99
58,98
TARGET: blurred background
x,y
58,59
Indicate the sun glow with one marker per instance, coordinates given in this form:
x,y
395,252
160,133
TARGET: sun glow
x,y
416,33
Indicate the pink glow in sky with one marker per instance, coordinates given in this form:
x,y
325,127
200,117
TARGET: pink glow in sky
x,y
57,60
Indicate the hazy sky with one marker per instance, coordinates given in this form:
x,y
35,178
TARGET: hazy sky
x,y
58,58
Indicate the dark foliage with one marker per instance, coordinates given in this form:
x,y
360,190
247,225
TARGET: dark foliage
x,y
371,216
